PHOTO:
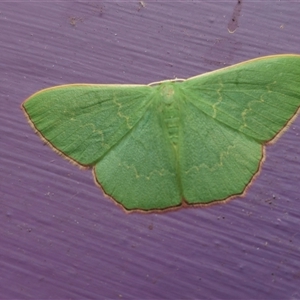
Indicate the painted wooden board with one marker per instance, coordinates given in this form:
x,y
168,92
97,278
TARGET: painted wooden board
x,y
60,238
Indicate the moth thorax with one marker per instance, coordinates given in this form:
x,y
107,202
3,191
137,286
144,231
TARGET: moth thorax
x,y
167,93
171,120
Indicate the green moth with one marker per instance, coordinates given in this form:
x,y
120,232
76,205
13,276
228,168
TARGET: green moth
x,y
174,142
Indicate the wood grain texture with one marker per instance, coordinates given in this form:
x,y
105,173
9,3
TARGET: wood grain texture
x,y
60,238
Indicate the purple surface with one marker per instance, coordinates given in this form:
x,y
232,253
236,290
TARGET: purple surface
x,y
60,238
